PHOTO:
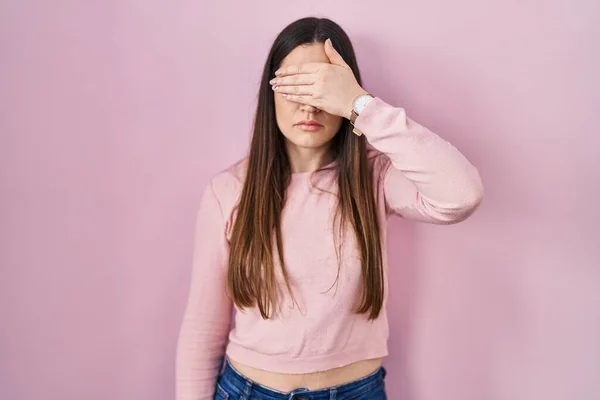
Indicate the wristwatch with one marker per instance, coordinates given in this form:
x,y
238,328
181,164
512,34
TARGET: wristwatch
x,y
359,103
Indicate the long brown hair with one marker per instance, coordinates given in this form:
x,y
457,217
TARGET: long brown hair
x,y
251,274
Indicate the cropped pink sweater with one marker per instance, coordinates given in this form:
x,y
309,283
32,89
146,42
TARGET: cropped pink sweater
x,y
420,176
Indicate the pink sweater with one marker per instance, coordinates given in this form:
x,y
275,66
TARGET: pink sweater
x,y
422,177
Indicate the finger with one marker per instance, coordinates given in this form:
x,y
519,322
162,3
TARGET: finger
x,y
306,68
333,55
298,79
301,99
304,90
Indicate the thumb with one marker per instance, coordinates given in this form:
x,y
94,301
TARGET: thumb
x,y
333,55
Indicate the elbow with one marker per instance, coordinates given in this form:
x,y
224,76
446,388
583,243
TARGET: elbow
x,y
456,205
469,204
472,204
451,212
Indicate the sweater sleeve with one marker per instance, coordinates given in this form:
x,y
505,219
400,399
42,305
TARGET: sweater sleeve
x,y
424,177
206,322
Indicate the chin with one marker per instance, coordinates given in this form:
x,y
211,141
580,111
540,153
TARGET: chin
x,y
311,141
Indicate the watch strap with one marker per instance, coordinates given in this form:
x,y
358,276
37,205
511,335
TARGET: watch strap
x,y
353,116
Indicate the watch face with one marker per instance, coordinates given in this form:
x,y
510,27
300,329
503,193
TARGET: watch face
x,y
361,102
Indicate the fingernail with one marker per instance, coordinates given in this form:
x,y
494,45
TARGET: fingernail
x,y
278,72
274,87
272,81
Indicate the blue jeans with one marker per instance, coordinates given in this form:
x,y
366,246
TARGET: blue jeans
x,y
232,385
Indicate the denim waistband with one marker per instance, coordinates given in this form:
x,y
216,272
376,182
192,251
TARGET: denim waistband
x,y
247,386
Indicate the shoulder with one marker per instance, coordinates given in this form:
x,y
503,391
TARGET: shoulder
x,y
227,185
230,179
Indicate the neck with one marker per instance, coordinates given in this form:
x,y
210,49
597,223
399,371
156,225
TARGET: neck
x,y
308,160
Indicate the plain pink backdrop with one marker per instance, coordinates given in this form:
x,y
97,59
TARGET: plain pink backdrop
x,y
114,115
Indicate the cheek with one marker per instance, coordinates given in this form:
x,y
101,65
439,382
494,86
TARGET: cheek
x,y
334,123
284,111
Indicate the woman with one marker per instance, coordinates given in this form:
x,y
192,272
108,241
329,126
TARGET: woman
x,y
293,237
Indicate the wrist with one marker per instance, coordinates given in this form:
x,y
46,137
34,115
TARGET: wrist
x,y
359,103
355,94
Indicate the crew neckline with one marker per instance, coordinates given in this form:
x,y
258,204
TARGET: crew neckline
x,y
308,173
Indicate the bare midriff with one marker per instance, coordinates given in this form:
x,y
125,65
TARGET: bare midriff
x,y
312,381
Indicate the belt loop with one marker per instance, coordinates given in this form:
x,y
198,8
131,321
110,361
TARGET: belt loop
x,y
332,394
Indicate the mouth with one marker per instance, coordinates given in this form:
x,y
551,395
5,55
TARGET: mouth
x,y
309,126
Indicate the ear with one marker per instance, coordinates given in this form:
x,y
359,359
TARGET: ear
x,y
334,57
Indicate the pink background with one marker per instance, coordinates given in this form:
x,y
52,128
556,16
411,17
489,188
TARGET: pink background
x,y
114,114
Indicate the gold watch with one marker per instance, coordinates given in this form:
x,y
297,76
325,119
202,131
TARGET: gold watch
x,y
359,103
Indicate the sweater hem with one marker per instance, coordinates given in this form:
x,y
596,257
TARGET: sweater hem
x,y
277,363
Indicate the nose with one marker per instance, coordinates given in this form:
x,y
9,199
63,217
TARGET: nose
x,y
309,109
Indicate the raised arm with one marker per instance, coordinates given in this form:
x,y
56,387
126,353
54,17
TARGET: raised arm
x,y
424,177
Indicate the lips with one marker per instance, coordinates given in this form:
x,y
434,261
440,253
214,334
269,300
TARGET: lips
x,y
309,126
309,123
